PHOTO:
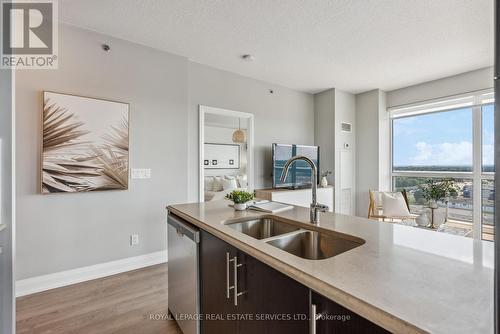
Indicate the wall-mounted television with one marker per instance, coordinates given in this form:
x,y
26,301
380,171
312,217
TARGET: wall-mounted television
x,y
299,174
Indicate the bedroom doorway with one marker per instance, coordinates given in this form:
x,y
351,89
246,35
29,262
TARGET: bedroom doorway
x,y
226,152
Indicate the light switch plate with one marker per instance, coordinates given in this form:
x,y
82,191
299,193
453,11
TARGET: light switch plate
x,y
141,173
134,239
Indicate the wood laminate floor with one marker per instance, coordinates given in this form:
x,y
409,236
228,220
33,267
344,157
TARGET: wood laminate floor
x,y
123,303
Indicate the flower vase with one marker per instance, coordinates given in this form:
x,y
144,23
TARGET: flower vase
x,y
240,206
324,182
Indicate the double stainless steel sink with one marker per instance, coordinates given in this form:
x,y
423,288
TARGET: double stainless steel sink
x,y
299,241
262,228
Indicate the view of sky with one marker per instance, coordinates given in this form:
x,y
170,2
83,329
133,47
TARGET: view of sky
x,y
440,139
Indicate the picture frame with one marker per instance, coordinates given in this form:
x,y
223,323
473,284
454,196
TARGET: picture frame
x,y
84,144
222,156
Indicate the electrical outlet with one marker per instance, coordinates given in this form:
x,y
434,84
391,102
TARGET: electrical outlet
x,y
134,239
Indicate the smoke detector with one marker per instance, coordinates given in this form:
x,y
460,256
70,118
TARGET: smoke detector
x,y
247,57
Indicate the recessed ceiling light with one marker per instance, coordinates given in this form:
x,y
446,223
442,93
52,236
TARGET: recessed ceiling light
x,y
247,57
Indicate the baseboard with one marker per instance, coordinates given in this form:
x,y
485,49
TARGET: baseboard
x,y
56,280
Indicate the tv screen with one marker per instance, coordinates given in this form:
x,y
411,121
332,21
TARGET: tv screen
x,y
299,174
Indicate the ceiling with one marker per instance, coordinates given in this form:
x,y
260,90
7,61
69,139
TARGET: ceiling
x,y
307,45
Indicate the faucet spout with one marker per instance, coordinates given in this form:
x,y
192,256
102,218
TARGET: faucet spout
x,y
315,206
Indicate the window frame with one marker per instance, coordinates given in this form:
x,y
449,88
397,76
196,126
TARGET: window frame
x,y
474,100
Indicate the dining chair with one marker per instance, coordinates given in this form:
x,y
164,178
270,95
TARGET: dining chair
x,y
376,207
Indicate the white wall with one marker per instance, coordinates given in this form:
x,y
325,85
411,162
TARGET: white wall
x,y
331,108
287,116
324,134
367,174
457,84
373,147
6,205
345,158
64,231
384,143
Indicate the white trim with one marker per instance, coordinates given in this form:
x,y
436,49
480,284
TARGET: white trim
x,y
224,112
203,110
201,153
455,175
444,103
488,176
391,152
63,278
477,161
428,108
13,220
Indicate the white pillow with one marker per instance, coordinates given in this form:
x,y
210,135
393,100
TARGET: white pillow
x,y
217,185
394,205
229,184
242,181
209,183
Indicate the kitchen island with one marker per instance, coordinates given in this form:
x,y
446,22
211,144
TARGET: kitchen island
x,y
403,279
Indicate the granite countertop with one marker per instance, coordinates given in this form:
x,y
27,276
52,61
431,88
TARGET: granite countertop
x,y
404,279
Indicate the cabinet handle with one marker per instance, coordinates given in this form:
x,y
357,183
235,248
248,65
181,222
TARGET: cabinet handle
x,y
228,287
313,317
236,293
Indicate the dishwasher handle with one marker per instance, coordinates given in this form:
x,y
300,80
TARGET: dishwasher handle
x,y
184,228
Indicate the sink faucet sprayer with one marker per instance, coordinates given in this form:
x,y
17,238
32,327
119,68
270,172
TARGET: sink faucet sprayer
x,y
315,206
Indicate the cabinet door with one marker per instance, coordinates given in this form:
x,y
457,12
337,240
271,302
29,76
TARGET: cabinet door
x,y
337,319
272,302
215,306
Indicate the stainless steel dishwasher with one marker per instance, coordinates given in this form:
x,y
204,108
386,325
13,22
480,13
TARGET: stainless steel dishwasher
x,y
183,276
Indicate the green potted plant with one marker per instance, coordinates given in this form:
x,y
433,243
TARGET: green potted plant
x,y
434,190
240,199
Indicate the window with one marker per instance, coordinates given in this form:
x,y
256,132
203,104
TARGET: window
x,y
448,138
488,169
488,138
487,206
440,141
459,208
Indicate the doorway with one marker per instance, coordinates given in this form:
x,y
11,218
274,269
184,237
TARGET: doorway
x,y
226,152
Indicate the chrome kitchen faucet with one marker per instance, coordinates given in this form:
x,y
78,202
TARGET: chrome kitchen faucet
x,y
315,207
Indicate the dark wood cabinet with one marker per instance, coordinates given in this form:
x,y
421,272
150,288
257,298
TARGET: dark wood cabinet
x,y
268,301
333,318
216,308
277,303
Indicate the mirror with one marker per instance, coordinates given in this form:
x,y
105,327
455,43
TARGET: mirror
x,y
226,152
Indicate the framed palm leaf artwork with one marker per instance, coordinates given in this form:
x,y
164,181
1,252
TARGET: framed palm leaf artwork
x,y
85,144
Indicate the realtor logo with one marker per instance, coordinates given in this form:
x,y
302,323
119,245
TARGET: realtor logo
x,y
29,34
